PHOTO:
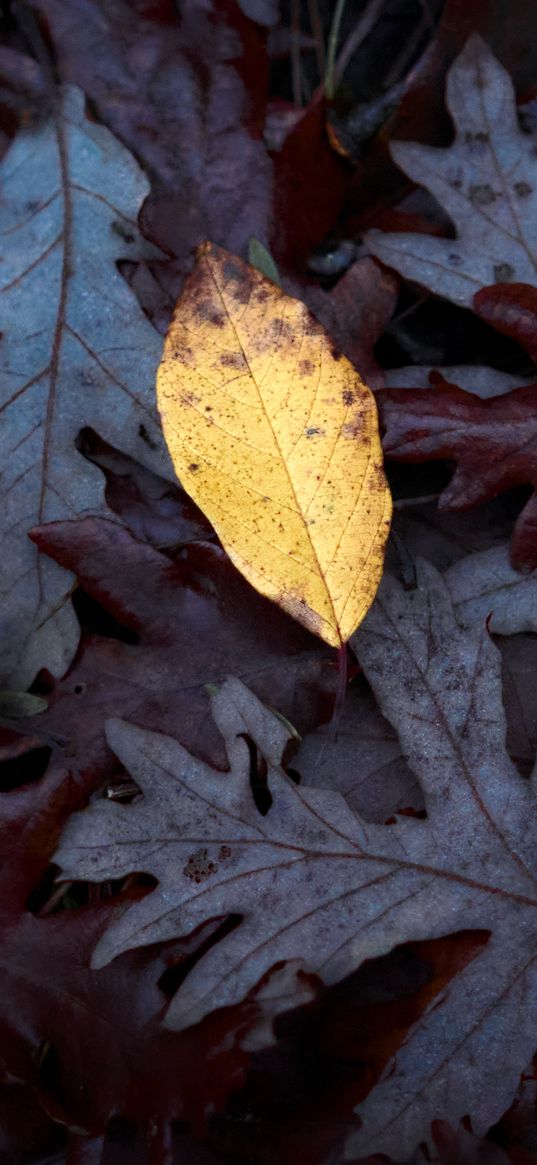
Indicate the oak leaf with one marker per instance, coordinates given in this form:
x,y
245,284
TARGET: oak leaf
x,y
494,443
312,881
76,350
486,181
275,436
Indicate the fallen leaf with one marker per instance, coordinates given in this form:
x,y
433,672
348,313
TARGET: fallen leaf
x,y
192,618
355,313
365,762
310,183
486,181
91,1047
312,881
185,89
494,443
512,309
287,465
157,511
76,350
475,378
484,588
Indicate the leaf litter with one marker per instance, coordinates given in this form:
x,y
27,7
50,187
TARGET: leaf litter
x,y
423,1015
314,862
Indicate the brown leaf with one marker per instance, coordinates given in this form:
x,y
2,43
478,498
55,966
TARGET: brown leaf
x,y
313,882
185,89
193,619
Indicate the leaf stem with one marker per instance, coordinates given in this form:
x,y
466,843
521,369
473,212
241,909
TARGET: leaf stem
x,y
333,37
341,691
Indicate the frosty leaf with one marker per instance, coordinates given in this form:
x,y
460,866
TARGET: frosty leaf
x,y
76,351
486,181
312,881
484,587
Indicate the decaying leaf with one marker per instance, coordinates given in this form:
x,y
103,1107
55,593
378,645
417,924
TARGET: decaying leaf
x,y
275,436
494,443
313,881
486,181
169,81
76,350
194,620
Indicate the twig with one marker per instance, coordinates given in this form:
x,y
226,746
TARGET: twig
x,y
336,68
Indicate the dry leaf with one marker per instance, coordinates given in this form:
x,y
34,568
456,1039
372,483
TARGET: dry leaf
x,y
486,181
312,880
76,350
275,436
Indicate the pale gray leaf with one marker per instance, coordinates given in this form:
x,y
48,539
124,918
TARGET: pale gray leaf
x,y
77,350
486,181
484,587
475,378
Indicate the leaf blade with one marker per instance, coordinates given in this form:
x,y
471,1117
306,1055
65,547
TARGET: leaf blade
x,y
287,465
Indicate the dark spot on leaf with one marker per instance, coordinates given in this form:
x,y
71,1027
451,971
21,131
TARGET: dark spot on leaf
x,y
481,194
503,272
193,467
454,259
262,295
232,360
205,311
335,352
306,367
522,189
456,183
185,356
224,852
314,432
143,433
199,866
348,397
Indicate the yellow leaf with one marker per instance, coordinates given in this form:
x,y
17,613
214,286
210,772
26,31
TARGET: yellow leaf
x,y
275,437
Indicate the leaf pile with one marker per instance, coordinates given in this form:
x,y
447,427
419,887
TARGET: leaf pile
x,y
263,900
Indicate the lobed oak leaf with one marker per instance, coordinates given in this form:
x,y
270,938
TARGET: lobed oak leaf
x,y
486,181
312,881
494,443
76,350
275,437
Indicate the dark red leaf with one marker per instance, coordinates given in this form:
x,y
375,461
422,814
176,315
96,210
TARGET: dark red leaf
x,y
494,443
512,309
197,620
311,181
185,88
